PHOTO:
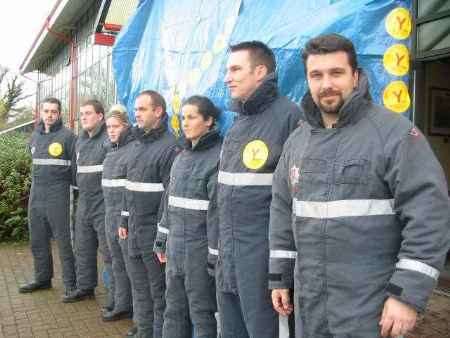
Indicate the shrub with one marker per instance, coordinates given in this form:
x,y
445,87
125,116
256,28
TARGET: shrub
x,y
15,179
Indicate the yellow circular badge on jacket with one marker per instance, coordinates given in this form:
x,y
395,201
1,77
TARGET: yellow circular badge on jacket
x,y
255,154
55,149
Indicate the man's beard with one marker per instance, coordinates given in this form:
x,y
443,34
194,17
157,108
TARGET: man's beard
x,y
333,108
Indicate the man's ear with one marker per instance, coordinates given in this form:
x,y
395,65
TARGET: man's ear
x,y
261,72
159,112
355,78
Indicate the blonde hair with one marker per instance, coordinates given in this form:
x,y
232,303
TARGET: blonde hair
x,y
119,112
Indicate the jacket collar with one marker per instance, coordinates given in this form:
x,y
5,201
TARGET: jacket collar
x,y
151,135
264,95
54,127
353,109
101,127
206,141
125,137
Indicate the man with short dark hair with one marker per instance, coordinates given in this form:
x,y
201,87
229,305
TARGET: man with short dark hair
x,y
147,176
359,219
249,155
52,149
90,215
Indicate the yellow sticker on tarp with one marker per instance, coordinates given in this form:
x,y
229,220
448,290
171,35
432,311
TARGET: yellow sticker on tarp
x,y
55,149
396,97
398,23
255,154
175,124
396,60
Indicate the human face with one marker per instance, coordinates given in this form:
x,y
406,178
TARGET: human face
x,y
242,77
194,125
50,114
331,80
148,116
89,118
114,128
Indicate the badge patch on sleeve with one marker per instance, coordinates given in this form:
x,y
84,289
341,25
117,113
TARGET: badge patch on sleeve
x,y
255,154
55,149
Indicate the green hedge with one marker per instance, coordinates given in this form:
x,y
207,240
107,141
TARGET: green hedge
x,y
15,179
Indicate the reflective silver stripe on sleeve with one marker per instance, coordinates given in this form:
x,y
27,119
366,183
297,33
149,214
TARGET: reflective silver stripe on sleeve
x,y
213,252
163,230
89,169
124,213
188,203
283,254
51,161
413,265
113,183
243,179
144,187
343,208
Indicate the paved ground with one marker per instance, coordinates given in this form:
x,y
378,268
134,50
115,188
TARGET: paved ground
x,y
42,314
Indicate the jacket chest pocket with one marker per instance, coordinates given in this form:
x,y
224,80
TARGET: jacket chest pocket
x,y
354,171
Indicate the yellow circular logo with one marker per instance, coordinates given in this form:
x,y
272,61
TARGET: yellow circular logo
x,y
55,149
175,124
396,97
398,23
396,60
255,154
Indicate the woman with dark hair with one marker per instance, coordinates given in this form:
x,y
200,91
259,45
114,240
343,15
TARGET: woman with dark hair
x,y
189,221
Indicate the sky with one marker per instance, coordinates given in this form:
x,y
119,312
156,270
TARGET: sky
x,y
20,23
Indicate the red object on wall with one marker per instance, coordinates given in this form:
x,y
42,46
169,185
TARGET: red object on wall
x,y
104,39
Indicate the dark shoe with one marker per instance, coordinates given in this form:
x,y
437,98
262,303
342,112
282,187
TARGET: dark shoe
x,y
78,295
34,286
113,316
132,332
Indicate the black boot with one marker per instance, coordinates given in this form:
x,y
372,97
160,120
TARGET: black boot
x,y
78,295
112,316
34,286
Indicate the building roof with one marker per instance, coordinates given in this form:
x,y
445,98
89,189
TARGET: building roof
x,y
62,19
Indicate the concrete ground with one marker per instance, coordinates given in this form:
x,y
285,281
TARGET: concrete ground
x,y
42,314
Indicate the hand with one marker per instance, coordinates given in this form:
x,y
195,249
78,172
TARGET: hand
x,y
397,318
123,233
281,301
162,257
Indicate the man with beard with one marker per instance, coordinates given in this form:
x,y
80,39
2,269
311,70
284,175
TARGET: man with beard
x,y
354,223
52,149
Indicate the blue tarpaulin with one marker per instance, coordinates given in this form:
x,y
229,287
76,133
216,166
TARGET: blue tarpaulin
x,y
179,47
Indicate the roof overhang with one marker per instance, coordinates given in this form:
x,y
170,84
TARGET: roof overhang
x,y
62,19
112,16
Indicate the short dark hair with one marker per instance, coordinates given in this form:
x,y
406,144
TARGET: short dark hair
x,y
157,98
260,54
205,106
98,106
52,100
330,43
